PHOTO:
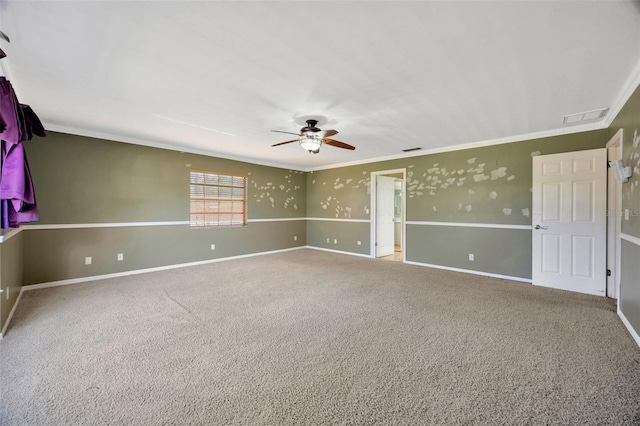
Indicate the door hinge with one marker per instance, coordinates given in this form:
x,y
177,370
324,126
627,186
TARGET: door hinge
x,y
608,272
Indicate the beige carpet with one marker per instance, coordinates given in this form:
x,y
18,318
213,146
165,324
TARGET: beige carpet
x,y
309,337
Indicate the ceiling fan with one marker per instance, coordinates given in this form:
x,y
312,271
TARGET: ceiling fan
x,y
311,138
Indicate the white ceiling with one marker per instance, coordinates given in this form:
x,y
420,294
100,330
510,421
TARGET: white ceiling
x,y
216,77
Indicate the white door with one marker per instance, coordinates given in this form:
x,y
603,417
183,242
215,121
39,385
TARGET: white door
x,y
569,221
385,223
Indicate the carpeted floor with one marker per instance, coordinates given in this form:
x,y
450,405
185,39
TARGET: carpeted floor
x,y
310,337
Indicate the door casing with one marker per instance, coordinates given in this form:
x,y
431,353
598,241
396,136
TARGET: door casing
x,y
614,218
373,191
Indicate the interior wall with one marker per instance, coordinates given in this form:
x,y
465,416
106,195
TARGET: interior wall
x,y
629,301
339,235
58,254
629,120
487,189
90,190
93,194
11,256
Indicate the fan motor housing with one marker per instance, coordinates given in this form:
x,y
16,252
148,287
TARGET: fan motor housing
x,y
310,128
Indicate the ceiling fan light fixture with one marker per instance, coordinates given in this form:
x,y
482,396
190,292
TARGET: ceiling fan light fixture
x,y
311,144
311,138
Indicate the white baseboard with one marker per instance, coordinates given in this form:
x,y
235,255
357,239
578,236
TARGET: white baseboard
x,y
471,271
627,324
467,271
144,271
13,310
350,253
126,273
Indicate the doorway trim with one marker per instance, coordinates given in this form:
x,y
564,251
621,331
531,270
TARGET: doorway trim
x,y
614,218
374,216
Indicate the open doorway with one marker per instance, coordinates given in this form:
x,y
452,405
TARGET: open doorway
x,y
388,214
614,218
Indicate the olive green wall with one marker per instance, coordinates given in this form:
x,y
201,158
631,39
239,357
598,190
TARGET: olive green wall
x,y
486,185
86,180
629,301
629,120
58,254
340,236
497,251
83,181
11,252
90,190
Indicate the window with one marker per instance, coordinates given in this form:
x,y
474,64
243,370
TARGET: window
x,y
217,199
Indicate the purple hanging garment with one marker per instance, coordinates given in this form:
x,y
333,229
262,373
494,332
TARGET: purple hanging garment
x,y
32,122
11,113
3,126
17,197
2,54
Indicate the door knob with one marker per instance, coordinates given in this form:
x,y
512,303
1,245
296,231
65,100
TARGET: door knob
x,y
541,227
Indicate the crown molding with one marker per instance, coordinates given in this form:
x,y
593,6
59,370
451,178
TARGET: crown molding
x,y
630,86
488,142
135,141
633,81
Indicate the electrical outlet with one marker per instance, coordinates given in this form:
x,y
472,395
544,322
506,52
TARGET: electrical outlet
x,y
87,260
471,257
359,243
328,240
295,238
335,241
213,246
120,257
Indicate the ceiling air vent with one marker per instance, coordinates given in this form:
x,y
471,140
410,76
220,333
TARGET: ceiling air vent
x,y
585,116
412,149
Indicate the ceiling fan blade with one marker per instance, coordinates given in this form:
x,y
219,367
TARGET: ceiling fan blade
x,y
338,144
289,133
283,143
325,133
